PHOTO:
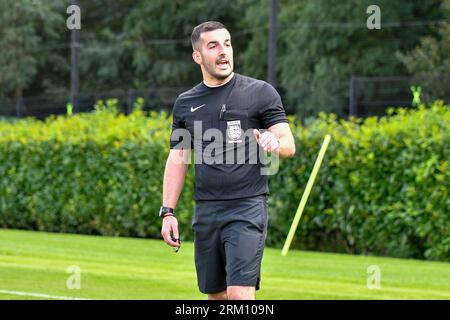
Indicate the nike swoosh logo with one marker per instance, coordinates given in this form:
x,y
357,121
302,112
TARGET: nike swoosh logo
x,y
193,109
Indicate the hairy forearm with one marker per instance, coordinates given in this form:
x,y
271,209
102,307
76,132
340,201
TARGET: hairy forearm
x,y
174,175
287,147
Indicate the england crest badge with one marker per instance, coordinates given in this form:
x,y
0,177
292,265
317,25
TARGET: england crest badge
x,y
234,131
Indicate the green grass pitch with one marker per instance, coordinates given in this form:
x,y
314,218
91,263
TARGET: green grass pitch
x,y
128,268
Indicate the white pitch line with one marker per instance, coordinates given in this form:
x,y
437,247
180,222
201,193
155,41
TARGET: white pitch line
x,y
39,295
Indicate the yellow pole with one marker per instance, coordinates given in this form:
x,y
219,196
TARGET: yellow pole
x,y
305,196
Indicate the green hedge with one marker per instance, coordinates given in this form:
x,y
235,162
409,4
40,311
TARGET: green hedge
x,y
382,188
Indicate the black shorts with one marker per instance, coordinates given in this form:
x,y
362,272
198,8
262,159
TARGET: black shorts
x,y
229,242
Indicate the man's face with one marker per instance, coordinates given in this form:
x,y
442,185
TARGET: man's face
x,y
217,53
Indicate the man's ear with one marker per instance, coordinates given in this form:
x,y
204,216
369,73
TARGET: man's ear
x,y
197,57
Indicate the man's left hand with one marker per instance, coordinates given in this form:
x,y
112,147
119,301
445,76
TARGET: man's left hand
x,y
267,140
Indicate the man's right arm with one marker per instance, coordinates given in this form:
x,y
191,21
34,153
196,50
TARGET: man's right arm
x,y
174,175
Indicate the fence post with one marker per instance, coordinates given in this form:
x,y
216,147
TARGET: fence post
x,y
74,72
272,47
131,100
19,105
353,103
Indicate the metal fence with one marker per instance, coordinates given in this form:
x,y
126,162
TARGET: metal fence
x,y
372,95
56,104
360,96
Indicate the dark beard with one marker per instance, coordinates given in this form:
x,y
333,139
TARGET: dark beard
x,y
219,76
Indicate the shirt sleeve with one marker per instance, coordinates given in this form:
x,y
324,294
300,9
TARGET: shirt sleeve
x,y
271,107
178,136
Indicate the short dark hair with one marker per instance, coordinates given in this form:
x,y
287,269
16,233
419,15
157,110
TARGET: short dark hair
x,y
204,27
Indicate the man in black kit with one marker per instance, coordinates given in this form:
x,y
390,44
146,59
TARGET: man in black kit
x,y
225,114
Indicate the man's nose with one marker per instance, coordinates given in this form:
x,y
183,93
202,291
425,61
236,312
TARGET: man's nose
x,y
221,49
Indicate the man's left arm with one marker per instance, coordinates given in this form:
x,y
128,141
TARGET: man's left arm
x,y
278,138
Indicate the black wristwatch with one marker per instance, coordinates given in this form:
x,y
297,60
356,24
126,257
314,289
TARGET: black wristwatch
x,y
166,211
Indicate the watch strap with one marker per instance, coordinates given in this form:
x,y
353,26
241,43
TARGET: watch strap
x,y
163,211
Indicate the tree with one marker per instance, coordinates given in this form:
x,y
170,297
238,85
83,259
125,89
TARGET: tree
x,y
429,62
431,56
323,43
105,56
159,33
24,26
143,44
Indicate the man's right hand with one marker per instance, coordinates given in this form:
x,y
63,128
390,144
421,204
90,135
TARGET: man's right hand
x,y
170,229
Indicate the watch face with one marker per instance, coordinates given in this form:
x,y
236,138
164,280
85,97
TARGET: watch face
x,y
163,211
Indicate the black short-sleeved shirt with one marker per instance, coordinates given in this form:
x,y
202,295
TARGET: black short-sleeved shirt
x,y
226,168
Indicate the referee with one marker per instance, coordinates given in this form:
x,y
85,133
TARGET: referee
x,y
218,118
